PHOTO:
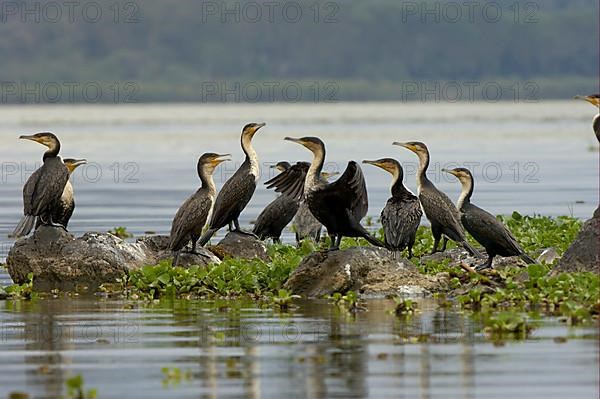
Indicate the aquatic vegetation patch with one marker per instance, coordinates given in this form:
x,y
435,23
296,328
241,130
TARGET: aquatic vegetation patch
x,y
121,232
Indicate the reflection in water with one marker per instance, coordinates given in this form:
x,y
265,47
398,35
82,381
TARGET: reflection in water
x,y
234,349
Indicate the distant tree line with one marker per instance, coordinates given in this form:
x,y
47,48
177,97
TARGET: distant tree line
x,y
304,50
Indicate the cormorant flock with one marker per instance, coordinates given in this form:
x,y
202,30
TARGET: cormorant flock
x,y
307,198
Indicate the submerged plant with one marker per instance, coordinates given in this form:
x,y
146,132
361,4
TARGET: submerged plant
x,y
76,389
404,306
282,299
22,291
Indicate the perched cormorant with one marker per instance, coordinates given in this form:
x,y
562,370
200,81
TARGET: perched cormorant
x,y
305,224
192,215
439,209
238,190
63,210
45,186
483,226
402,213
594,99
339,206
278,214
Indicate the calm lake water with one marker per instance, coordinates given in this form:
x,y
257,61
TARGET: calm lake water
x,y
238,349
533,158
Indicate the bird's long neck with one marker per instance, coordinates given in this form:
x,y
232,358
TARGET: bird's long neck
x,y
313,176
422,172
52,151
251,156
398,189
466,193
206,177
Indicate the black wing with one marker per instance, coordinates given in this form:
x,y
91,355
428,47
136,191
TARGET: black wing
x,y
400,220
45,187
290,182
233,197
440,210
490,232
350,191
190,218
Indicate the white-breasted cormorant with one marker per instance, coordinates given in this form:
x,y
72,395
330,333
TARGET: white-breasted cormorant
x,y
594,99
238,190
339,206
192,215
278,214
63,210
45,186
483,226
439,209
402,213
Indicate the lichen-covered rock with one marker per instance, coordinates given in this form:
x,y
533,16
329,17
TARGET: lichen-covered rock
x,y
583,255
158,245
238,245
367,270
58,260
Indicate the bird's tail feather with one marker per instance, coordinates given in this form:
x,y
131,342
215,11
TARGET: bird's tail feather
x,y
24,227
206,236
527,258
472,250
372,240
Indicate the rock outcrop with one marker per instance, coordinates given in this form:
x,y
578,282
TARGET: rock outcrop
x,y
238,245
583,255
158,247
58,260
366,270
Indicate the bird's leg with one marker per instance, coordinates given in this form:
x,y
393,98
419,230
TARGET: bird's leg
x,y
276,240
333,240
231,227
244,232
338,242
486,265
193,250
436,242
444,243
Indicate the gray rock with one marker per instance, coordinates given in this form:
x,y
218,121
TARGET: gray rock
x,y
237,245
583,254
58,260
367,270
159,246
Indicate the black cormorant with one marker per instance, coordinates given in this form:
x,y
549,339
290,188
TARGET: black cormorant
x,y
483,226
63,210
238,190
439,209
192,215
305,224
339,206
402,213
594,99
278,214
45,186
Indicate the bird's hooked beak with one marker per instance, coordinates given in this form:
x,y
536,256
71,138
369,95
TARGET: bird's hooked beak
x,y
408,146
257,127
293,140
329,175
451,171
44,140
377,163
220,158
74,164
374,163
590,99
